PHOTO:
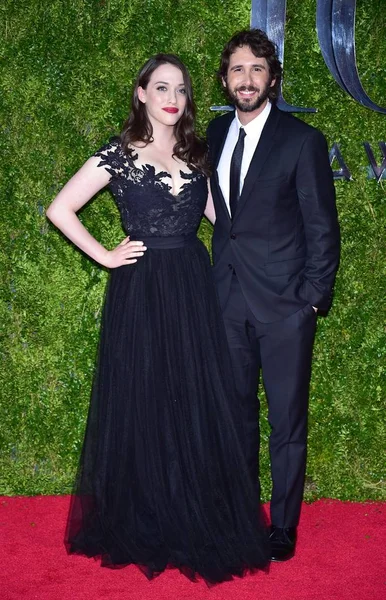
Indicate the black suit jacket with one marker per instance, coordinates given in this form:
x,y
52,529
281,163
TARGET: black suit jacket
x,y
283,242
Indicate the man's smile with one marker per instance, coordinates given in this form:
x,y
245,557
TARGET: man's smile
x,y
246,93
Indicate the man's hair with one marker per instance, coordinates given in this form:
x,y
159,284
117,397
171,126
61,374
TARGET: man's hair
x,y
261,47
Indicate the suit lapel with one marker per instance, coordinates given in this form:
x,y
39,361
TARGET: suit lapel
x,y
218,151
227,120
261,153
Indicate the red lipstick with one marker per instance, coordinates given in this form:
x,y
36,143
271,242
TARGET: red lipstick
x,y
171,109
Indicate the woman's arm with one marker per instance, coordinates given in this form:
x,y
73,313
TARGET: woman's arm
x,y
75,194
209,211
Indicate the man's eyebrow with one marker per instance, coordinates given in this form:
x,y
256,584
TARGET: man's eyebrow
x,y
260,65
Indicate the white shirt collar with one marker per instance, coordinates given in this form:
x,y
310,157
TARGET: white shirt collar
x,y
255,127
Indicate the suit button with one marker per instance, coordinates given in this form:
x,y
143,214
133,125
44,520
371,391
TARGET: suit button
x,y
233,236
230,266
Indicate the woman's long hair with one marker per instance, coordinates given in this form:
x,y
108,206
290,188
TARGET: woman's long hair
x,y
137,128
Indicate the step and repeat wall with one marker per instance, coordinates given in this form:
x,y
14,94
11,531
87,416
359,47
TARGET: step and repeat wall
x,y
67,70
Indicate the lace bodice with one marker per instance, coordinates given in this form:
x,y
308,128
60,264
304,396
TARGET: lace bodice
x,y
146,204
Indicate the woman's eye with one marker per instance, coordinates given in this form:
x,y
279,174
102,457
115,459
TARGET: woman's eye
x,y
161,88
182,91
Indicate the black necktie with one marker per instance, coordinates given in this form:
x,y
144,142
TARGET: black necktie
x,y
237,157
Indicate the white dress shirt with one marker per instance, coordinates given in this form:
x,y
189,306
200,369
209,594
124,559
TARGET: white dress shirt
x,y
253,132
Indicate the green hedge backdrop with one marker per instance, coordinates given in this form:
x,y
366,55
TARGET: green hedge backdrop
x,y
66,72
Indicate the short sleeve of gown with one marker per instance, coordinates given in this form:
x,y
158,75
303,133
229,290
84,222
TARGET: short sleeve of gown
x,y
112,158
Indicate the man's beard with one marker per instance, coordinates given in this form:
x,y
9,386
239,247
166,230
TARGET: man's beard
x,y
247,105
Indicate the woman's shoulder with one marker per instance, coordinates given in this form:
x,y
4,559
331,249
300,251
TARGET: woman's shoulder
x,y
112,157
113,147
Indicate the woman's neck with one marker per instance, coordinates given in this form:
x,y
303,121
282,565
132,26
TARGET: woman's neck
x,y
163,136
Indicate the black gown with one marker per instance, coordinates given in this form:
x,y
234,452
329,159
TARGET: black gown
x,y
162,480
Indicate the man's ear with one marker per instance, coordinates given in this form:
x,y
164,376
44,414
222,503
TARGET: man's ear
x,y
224,81
141,94
272,83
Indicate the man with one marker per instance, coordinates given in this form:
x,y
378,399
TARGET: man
x,y
276,253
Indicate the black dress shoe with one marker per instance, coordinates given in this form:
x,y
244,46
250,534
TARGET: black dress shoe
x,y
283,542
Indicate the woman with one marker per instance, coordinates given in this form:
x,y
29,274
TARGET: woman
x,y
162,480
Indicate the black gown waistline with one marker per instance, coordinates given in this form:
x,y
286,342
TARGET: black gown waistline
x,y
166,242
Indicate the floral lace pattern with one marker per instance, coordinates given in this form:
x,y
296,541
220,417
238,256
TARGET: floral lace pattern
x,y
145,201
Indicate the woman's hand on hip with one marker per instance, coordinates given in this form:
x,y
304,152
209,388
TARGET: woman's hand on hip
x,y
126,253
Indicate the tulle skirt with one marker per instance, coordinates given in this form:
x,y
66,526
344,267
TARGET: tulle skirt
x,y
162,480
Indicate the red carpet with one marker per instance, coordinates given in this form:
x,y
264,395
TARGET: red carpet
x,y
340,556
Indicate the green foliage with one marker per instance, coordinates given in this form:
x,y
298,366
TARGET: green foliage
x,y
66,72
